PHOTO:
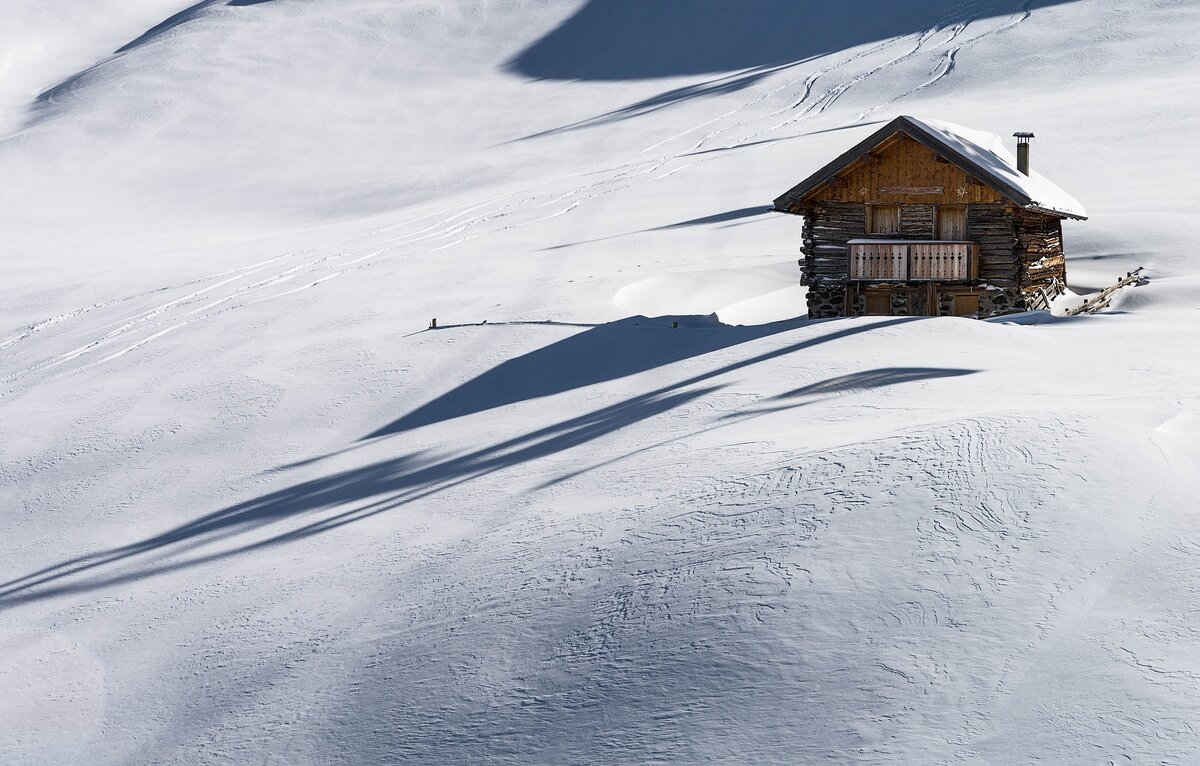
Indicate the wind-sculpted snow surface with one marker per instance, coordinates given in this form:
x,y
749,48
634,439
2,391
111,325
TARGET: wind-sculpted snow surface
x,y
841,603
255,512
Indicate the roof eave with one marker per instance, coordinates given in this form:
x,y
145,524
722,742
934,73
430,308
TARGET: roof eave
x,y
1057,213
802,189
918,133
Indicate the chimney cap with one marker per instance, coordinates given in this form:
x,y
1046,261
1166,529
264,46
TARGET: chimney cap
x,y
1023,134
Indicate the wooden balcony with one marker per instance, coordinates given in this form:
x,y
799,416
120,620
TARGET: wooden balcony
x,y
906,260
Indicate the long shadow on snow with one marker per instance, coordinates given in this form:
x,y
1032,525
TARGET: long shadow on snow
x,y
382,486
714,87
55,93
741,214
830,388
731,215
871,379
602,353
183,17
637,39
748,39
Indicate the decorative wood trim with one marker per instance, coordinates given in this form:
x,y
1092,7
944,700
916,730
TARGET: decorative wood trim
x,y
912,190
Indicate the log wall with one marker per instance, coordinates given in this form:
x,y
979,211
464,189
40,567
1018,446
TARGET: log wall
x,y
1020,253
992,227
1043,265
917,221
828,228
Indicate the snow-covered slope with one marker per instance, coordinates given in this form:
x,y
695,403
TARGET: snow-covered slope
x,y
254,512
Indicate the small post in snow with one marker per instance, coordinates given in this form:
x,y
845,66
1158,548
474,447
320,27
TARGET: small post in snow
x,y
433,323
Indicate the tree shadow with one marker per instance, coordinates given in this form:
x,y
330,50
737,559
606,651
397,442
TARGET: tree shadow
x,y
352,495
642,39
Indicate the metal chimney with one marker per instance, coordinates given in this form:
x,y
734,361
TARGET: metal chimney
x,y
1023,140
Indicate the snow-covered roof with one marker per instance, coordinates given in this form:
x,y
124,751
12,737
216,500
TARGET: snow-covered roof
x,y
981,154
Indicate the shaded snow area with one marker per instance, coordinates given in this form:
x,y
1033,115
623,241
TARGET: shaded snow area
x,y
624,505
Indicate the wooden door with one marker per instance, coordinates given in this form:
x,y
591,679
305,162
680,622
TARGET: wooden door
x,y
879,304
966,305
952,223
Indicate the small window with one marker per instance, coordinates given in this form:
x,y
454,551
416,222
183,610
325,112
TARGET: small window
x,y
952,224
884,219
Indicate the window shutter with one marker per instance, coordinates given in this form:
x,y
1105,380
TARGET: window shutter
x,y
885,219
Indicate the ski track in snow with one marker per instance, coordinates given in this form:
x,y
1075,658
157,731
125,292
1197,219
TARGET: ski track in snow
x,y
987,587
950,57
522,208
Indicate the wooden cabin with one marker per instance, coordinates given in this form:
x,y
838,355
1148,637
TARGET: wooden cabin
x,y
928,218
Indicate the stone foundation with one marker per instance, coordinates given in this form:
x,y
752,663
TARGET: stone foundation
x,y
909,300
945,306
998,301
826,300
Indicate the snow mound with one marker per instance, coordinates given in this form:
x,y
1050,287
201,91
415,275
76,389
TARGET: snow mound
x,y
738,296
1186,422
775,306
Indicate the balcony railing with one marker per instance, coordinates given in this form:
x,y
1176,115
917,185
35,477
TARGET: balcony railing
x,y
896,260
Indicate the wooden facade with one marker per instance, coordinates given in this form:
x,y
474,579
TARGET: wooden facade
x,y
904,225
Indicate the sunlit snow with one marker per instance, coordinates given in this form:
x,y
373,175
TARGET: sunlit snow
x,y
625,504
